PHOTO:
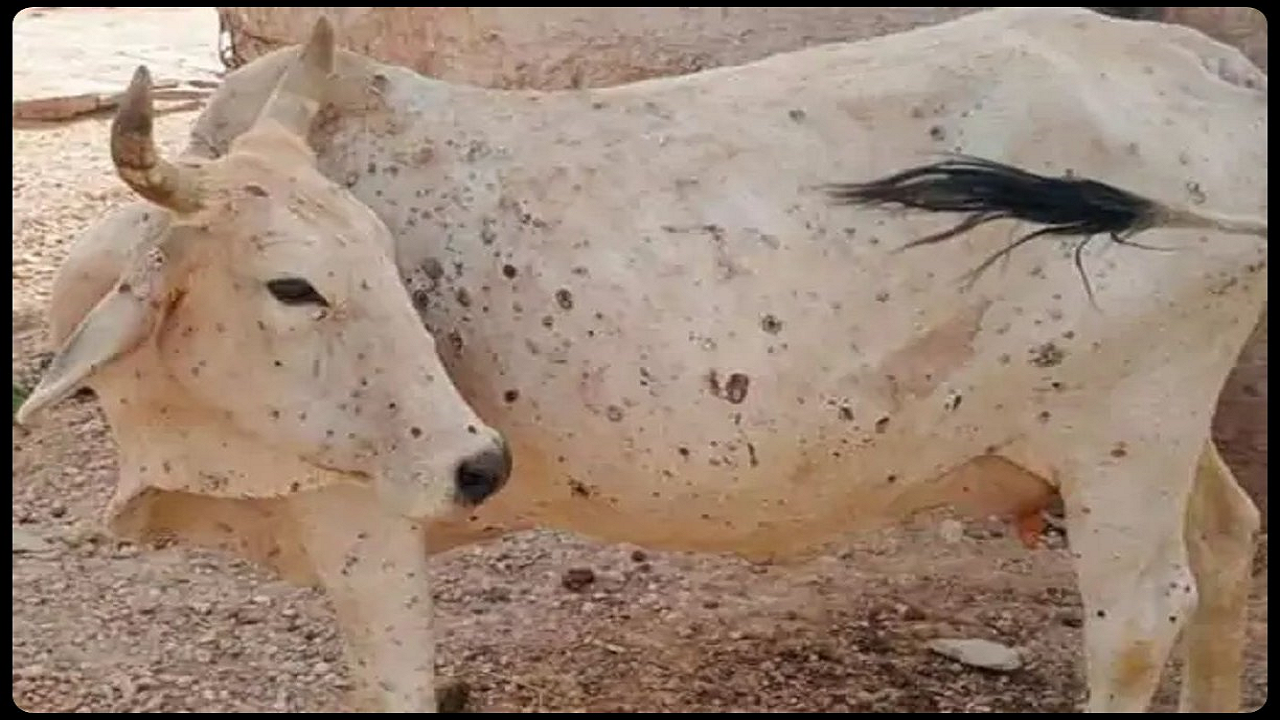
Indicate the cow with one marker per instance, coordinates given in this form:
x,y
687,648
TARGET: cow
x,y
690,307
557,48
261,256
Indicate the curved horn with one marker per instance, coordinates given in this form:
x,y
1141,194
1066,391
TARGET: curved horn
x,y
133,151
296,100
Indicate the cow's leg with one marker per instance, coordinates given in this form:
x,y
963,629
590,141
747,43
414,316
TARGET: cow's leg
x,y
1126,508
373,567
1220,535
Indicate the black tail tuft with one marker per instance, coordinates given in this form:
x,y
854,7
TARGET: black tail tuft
x,y
990,191
1068,206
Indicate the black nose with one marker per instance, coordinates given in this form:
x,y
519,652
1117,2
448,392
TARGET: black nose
x,y
483,474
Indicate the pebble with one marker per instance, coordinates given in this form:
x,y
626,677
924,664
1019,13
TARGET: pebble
x,y
976,652
577,579
952,531
30,672
27,542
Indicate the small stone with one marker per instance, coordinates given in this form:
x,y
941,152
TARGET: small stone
x,y
979,653
31,671
27,542
452,697
83,536
576,579
952,531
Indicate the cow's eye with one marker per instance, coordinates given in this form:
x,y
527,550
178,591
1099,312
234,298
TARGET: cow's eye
x,y
295,291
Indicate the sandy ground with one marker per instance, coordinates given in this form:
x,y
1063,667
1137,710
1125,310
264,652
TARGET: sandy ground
x,y
81,50
101,626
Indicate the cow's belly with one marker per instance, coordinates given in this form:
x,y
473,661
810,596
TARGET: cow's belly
x,y
764,414
791,466
758,496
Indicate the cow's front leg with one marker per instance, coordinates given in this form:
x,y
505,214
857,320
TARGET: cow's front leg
x,y
373,567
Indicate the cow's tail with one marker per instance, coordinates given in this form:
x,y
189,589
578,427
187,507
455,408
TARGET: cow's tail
x,y
989,191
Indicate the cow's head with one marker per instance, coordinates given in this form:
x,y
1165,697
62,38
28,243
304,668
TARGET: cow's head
x,y
270,310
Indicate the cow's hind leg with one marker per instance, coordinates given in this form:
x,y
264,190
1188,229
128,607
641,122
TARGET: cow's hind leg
x,y
1221,525
373,567
1126,507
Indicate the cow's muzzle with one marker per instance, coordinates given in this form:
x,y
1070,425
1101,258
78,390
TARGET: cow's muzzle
x,y
483,474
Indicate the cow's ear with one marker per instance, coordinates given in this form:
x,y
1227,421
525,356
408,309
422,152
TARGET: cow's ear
x,y
117,324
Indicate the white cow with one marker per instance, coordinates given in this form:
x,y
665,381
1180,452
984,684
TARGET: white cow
x,y
260,258
650,292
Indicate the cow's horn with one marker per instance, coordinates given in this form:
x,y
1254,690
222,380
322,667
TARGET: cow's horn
x,y
133,150
297,98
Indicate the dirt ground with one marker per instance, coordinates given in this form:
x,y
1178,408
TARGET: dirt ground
x,y
102,626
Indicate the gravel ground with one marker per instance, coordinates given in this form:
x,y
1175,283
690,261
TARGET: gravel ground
x,y
533,622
